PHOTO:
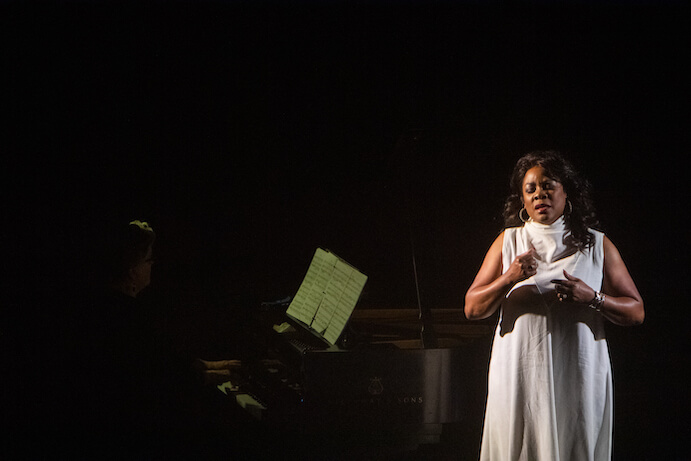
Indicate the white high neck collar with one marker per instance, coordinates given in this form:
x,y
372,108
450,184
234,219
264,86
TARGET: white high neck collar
x,y
557,226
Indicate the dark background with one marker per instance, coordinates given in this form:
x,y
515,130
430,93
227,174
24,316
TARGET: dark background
x,y
250,133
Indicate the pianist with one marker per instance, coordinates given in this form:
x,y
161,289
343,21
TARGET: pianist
x,y
554,281
139,397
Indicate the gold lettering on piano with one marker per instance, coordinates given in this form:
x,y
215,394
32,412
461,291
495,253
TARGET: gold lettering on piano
x,y
380,401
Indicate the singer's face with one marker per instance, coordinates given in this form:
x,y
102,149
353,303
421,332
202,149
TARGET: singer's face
x,y
543,197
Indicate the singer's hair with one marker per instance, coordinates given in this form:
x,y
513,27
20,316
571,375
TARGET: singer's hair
x,y
579,217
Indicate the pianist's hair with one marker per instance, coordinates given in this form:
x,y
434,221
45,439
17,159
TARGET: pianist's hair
x,y
127,246
578,217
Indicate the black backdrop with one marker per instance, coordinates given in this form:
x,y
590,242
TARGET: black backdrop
x,y
249,133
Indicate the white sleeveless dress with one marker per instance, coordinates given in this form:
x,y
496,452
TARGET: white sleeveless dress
x,y
550,395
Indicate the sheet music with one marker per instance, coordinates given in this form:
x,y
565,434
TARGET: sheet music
x,y
348,298
328,294
332,296
309,296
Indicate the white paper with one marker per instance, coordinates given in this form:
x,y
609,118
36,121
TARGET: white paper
x,y
328,294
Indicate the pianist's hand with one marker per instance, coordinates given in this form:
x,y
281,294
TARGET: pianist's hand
x,y
217,371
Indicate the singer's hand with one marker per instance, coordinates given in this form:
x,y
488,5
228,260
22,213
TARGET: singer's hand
x,y
523,267
573,290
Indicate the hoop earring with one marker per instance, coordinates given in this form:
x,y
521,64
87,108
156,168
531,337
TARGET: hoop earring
x,y
568,202
520,215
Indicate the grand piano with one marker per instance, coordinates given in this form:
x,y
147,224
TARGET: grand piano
x,y
407,378
391,384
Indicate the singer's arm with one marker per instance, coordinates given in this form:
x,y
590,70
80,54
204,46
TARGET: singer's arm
x,y
623,303
491,285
